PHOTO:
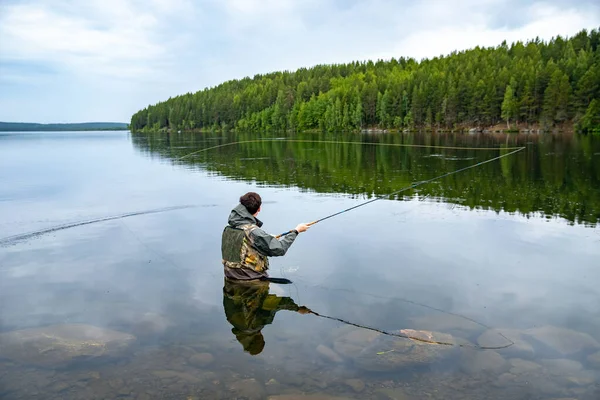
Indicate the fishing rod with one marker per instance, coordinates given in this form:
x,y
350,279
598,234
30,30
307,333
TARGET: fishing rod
x,y
414,185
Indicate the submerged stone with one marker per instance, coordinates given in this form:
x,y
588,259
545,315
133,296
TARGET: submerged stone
x,y
562,340
475,362
58,344
150,324
248,388
315,396
584,378
562,366
505,379
350,344
379,352
393,394
520,366
329,354
446,323
356,384
201,359
502,337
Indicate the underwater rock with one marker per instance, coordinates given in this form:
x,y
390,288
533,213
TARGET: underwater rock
x,y
475,362
350,344
316,381
201,360
150,324
273,387
248,388
165,375
562,366
116,384
59,387
380,352
563,398
506,379
562,340
356,384
56,344
393,394
329,354
583,378
446,323
520,366
315,396
493,338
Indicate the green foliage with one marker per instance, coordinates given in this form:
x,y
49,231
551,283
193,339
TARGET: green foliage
x,y
509,106
550,82
86,126
590,123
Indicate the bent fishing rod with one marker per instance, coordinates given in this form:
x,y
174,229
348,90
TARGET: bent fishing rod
x,y
414,185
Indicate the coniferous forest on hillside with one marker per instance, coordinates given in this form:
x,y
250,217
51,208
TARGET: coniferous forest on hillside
x,y
531,85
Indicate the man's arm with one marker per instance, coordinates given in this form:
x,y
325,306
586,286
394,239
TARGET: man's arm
x,y
269,245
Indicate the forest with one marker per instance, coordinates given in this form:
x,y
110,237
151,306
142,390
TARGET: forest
x,y
536,84
85,126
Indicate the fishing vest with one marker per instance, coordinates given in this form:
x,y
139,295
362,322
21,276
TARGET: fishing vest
x,y
237,250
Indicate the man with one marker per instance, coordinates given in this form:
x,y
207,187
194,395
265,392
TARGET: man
x,y
245,246
249,307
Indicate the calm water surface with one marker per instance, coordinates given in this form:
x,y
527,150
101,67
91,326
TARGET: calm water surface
x,y
136,308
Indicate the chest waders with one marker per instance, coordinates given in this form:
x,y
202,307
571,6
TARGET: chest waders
x,y
238,252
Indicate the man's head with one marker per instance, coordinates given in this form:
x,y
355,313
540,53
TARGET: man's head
x,y
252,202
253,342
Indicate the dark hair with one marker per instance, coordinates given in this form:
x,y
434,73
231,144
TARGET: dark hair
x,y
251,201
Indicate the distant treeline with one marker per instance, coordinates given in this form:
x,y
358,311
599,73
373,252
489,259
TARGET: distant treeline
x,y
537,83
86,126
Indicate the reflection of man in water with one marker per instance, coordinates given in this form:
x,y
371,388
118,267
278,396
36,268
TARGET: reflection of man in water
x,y
249,307
245,246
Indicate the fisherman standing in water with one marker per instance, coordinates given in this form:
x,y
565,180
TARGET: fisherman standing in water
x,y
245,247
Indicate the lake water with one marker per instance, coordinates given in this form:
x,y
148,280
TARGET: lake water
x,y
135,306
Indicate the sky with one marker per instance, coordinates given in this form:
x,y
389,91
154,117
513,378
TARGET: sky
x,y
103,60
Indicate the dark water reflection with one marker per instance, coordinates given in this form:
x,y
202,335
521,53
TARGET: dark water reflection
x,y
555,176
512,246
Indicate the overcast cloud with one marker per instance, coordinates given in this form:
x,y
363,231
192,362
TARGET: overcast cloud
x,y
102,60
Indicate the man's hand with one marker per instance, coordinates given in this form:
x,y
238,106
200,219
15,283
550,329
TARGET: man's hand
x,y
302,227
303,310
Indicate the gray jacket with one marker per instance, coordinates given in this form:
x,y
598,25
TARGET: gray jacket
x,y
265,243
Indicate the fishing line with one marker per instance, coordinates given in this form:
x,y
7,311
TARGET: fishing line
x,y
402,300
416,338
414,185
24,236
282,272
409,302
345,142
168,260
514,150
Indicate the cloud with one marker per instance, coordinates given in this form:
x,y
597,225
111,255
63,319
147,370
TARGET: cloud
x,y
113,43
114,57
542,20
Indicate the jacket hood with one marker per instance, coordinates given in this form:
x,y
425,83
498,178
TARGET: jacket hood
x,y
240,216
